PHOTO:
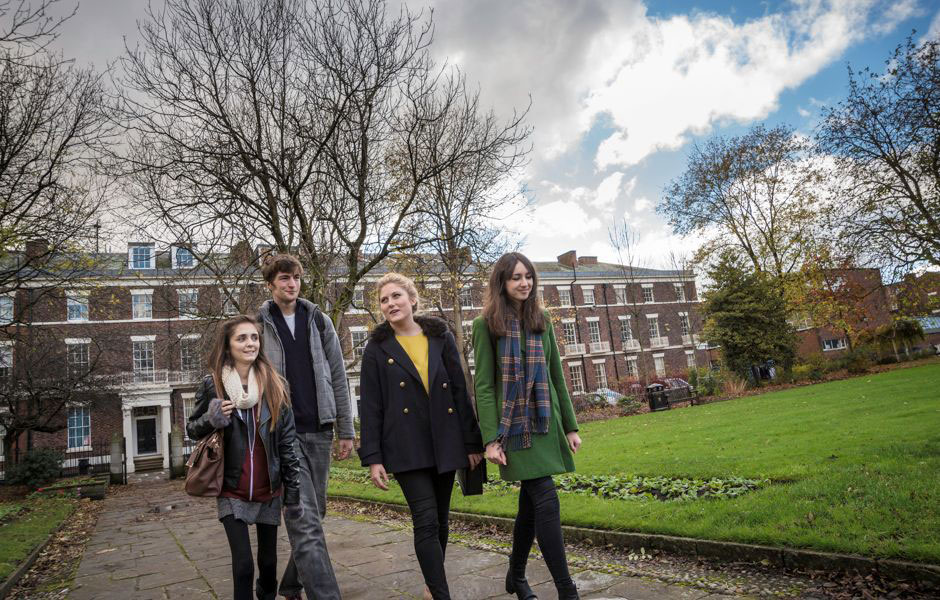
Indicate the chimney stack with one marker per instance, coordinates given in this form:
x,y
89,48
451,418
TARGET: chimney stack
x,y
587,260
569,259
36,249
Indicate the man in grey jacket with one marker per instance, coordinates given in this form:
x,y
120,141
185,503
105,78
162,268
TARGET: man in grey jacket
x,y
302,344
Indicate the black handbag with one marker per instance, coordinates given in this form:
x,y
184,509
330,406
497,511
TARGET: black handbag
x,y
471,480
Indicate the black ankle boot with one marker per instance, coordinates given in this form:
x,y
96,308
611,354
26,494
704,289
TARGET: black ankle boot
x,y
568,591
517,584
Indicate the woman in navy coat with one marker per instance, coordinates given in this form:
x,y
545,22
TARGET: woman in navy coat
x,y
416,418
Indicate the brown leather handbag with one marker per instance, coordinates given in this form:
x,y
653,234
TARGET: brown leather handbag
x,y
206,467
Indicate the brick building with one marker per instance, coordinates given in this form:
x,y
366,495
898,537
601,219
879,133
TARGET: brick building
x,y
143,319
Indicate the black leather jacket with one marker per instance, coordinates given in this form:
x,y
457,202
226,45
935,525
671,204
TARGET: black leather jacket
x,y
283,466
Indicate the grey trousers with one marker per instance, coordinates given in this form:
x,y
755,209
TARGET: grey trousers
x,y
309,566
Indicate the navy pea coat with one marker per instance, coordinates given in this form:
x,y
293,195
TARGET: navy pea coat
x,y
403,426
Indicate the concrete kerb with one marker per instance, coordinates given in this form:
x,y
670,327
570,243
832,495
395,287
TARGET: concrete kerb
x,y
790,558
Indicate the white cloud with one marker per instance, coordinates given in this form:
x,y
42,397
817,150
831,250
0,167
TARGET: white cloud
x,y
642,204
895,14
803,112
933,33
607,192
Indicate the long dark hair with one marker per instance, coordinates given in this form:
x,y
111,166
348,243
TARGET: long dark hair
x,y
271,385
498,308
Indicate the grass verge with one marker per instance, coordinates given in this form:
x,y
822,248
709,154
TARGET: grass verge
x,y
853,466
20,535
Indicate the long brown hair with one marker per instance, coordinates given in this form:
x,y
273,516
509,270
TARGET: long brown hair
x,y
271,385
498,308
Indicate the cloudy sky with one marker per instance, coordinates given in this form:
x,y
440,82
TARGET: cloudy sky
x,y
619,88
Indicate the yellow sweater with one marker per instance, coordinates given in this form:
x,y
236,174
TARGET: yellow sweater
x,y
416,346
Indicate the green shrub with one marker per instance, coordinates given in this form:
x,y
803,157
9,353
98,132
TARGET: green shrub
x,y
802,373
37,467
858,360
704,381
816,367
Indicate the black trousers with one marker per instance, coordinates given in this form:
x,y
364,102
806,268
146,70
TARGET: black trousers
x,y
539,517
243,570
428,495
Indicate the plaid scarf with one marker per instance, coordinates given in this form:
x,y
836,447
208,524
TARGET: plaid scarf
x,y
527,405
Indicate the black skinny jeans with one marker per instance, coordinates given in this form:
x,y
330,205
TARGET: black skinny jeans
x,y
428,495
539,517
243,570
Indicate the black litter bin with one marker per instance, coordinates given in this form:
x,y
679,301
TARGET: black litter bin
x,y
656,397
83,466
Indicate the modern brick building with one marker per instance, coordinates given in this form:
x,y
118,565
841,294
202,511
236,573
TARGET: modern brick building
x,y
143,319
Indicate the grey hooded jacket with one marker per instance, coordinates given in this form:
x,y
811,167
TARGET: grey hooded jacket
x,y
329,369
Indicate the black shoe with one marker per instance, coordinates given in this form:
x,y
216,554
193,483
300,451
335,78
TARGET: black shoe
x,y
519,585
568,592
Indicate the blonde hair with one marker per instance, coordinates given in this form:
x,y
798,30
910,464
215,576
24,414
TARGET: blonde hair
x,y
403,282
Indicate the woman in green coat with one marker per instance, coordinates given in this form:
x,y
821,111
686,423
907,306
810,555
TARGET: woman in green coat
x,y
525,414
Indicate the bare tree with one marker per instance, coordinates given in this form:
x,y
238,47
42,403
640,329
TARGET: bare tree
x,y
757,194
54,129
886,139
459,211
626,241
308,128
46,378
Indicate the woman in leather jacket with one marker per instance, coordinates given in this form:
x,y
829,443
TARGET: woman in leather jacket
x,y
260,466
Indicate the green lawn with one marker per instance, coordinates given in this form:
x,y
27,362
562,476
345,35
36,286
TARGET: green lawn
x,y
855,466
21,534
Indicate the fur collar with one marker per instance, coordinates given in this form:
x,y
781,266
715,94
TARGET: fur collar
x,y
430,326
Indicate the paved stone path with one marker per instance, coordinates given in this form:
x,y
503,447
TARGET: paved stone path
x,y
152,541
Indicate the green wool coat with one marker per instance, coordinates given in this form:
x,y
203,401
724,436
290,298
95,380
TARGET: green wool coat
x,y
549,454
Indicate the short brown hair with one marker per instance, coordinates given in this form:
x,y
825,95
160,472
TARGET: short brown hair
x,y
280,263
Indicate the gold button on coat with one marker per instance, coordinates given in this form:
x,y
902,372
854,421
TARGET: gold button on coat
x,y
445,385
450,411
405,411
402,384
391,361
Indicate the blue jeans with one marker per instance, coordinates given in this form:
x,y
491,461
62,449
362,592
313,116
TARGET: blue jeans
x,y
309,566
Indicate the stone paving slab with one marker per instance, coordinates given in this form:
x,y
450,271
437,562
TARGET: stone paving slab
x,y
152,541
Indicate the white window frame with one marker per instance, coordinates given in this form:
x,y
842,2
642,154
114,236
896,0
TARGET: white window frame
x,y
840,344
174,257
680,291
138,293
359,298
633,369
577,384
652,298
144,339
180,294
151,258
353,332
184,339
600,375
653,319
230,299
565,323
685,325
588,290
83,342
466,297
79,297
6,358
659,359
562,290
7,304
626,325
690,359
85,424
594,330
191,398
541,295
620,294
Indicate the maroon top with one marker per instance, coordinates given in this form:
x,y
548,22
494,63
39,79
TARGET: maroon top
x,y
254,485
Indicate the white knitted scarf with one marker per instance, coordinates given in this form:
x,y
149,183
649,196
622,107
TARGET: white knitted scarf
x,y
232,383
